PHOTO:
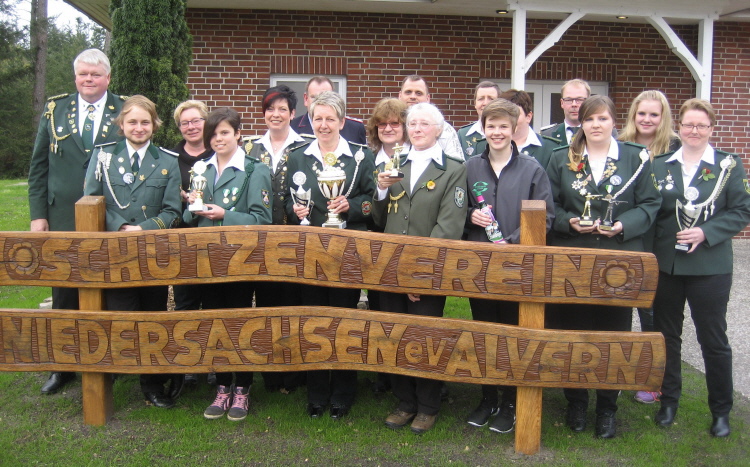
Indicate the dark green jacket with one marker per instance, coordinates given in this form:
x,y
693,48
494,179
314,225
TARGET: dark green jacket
x,y
636,215
542,153
471,145
151,201
731,214
56,174
557,132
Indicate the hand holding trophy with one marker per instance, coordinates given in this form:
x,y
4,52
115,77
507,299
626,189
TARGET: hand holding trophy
x,y
197,185
395,163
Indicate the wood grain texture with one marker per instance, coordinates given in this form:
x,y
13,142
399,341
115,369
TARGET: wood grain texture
x,y
338,258
313,338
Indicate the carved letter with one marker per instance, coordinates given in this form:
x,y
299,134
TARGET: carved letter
x,y
119,261
57,266
246,340
89,330
433,356
17,340
386,346
344,340
519,363
417,267
464,356
119,342
63,340
584,358
90,272
240,263
201,242
490,344
504,273
461,267
328,259
570,279
151,352
172,255
372,267
194,351
281,254
220,345
413,352
326,348
550,366
619,363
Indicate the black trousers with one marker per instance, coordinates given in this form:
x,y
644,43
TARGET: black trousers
x,y
338,387
708,297
496,311
591,318
141,299
415,394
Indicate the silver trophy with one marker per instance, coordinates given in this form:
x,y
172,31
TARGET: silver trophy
x,y
331,183
198,185
395,163
301,196
687,214
608,223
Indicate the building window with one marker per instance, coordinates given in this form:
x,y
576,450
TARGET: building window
x,y
547,109
298,83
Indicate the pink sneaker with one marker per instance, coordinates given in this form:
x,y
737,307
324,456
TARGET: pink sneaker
x,y
647,397
240,404
220,404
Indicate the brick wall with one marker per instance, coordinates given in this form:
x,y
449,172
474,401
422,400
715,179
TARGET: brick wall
x,y
236,51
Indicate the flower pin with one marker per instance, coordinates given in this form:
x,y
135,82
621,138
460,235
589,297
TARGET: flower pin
x,y
430,185
706,175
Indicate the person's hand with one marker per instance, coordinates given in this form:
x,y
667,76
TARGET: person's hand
x,y
414,297
693,236
616,229
190,197
575,225
385,181
340,205
481,219
39,225
130,228
184,195
301,211
212,212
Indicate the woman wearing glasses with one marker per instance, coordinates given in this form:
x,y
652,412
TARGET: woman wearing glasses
x,y
706,201
429,201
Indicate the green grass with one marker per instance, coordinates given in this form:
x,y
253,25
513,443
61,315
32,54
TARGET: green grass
x,y
49,430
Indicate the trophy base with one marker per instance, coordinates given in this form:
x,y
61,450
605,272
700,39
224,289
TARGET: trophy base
x,y
586,222
396,175
197,207
606,227
682,247
334,224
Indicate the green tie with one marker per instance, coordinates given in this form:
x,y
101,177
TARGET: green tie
x,y
135,165
88,129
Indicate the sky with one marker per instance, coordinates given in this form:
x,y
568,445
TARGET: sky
x,y
66,14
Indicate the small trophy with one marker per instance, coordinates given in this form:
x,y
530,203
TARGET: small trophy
x,y
687,215
331,183
586,220
396,162
301,196
198,184
607,223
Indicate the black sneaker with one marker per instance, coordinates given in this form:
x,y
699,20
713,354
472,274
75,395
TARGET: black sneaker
x,y
481,415
504,422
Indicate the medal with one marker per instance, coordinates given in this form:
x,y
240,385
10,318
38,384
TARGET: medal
x,y
616,180
225,200
691,194
359,156
120,160
128,178
299,178
121,170
469,151
59,129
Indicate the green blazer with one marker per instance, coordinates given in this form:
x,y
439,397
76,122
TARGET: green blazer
x,y
360,198
151,201
57,172
473,145
556,132
542,153
246,196
731,214
439,212
642,201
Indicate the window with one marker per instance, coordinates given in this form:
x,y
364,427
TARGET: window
x,y
298,83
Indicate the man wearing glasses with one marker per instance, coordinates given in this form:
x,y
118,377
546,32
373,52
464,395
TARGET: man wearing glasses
x,y
573,93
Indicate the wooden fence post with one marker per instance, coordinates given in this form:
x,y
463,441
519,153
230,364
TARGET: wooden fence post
x,y
98,402
530,315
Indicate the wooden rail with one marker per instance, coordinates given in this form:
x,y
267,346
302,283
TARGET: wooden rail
x,y
98,342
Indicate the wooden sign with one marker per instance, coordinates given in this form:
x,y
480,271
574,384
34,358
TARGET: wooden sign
x,y
338,258
314,338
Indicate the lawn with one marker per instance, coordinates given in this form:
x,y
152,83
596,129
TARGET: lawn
x,y
49,429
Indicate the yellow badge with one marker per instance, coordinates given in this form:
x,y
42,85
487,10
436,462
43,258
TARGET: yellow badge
x,y
330,159
248,147
142,177
164,171
430,185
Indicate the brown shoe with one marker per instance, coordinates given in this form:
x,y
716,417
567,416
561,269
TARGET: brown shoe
x,y
423,423
398,418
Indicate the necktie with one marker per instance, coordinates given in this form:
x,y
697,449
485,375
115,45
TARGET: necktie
x,y
87,135
135,166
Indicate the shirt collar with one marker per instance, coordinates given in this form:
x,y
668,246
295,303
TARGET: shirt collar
x,y
98,105
435,153
476,128
613,153
709,156
531,140
237,161
291,138
141,152
341,150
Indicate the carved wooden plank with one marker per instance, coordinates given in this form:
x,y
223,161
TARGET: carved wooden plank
x,y
314,338
339,258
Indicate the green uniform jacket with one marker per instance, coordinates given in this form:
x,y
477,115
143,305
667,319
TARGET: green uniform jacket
x,y
731,214
542,153
56,176
473,145
152,201
636,215
556,132
360,198
439,212
245,196
279,178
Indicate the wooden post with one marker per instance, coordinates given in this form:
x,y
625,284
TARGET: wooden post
x,y
530,315
98,401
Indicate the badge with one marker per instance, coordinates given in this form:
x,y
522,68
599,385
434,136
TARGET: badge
x,y
71,122
616,180
121,170
459,196
266,198
359,156
670,181
430,185
75,130
120,160
469,151
644,155
141,177
164,171
330,159
367,207
111,107
727,163
747,186
128,178
691,193
87,127
225,200
59,129
299,178
248,147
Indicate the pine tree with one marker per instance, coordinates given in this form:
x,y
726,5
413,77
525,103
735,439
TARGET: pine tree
x,y
150,55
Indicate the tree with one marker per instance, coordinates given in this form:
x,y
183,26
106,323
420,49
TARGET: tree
x,y
39,26
150,55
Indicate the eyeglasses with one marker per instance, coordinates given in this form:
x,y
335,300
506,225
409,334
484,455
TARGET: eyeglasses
x,y
194,122
690,127
577,100
393,125
420,125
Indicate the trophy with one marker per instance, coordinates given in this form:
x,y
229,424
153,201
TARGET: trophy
x,y
607,223
586,220
687,215
331,183
198,184
302,197
396,163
